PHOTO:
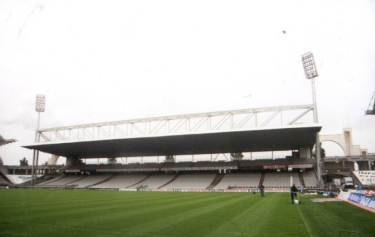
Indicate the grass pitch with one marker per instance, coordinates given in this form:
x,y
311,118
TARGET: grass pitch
x,y
72,213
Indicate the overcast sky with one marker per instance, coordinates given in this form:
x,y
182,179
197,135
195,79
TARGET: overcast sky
x,y
109,60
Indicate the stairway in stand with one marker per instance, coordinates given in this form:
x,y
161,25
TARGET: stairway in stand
x,y
100,182
262,177
216,181
170,181
301,180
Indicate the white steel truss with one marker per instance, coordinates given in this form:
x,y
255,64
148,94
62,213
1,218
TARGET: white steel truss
x,y
278,116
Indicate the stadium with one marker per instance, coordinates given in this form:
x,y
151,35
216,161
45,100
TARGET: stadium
x,y
176,194
187,119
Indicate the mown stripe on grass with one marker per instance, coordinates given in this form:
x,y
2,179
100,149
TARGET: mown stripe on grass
x,y
236,225
272,216
66,220
217,222
138,216
305,223
343,219
160,225
111,214
87,202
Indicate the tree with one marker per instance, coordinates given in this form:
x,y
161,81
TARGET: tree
x,y
24,162
322,151
236,155
112,161
169,158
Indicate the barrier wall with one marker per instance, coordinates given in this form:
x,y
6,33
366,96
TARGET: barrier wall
x,y
366,201
363,198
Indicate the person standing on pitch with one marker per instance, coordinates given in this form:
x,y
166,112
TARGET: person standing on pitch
x,y
261,189
293,193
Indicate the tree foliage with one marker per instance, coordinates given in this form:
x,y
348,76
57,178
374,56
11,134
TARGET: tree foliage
x,y
170,158
24,162
236,155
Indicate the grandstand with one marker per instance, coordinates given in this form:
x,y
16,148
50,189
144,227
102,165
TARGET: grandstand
x,y
239,181
210,134
186,181
18,179
156,181
309,179
65,180
280,180
90,180
50,181
191,182
4,180
173,176
122,181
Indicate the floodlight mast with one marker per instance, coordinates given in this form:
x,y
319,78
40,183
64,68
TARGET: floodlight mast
x,y
311,73
40,105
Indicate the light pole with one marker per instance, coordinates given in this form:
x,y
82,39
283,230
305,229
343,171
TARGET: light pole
x,y
40,105
311,73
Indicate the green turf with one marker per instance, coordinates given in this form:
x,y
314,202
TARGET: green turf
x,y
71,213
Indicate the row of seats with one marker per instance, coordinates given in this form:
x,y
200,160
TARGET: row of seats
x,y
281,180
90,180
61,180
310,179
122,181
191,181
238,180
156,181
198,181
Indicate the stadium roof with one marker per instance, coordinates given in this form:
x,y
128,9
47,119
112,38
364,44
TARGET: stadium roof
x,y
5,141
265,139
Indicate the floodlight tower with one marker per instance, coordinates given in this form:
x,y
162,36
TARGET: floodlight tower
x,y
311,73
40,106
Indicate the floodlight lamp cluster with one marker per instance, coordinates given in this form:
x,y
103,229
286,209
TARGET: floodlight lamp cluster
x,y
309,65
40,103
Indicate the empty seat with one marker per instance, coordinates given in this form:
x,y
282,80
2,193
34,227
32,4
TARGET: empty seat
x,y
155,181
122,181
191,181
310,179
281,180
90,180
239,180
65,180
